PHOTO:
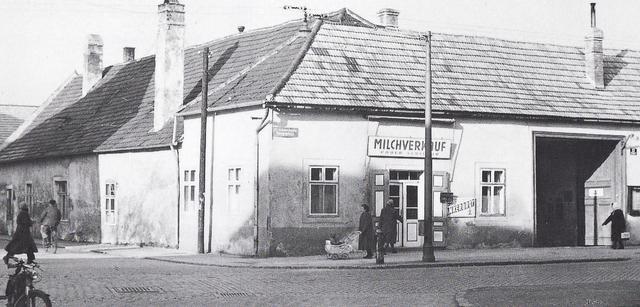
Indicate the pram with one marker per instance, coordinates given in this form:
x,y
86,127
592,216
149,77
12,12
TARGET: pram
x,y
341,251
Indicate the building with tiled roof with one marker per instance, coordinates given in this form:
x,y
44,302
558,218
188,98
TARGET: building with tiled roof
x,y
307,120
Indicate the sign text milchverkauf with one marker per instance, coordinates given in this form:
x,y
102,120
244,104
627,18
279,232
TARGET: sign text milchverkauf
x,y
385,146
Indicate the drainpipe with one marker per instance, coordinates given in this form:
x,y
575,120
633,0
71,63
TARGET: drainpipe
x,y
174,149
256,204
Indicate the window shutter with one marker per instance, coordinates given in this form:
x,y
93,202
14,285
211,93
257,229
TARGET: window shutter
x,y
379,190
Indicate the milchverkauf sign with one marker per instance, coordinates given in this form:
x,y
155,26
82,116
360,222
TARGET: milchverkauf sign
x,y
387,146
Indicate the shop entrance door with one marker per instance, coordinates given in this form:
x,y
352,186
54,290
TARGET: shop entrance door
x,y
405,199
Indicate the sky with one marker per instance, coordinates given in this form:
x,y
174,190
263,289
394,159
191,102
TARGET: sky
x,y
42,41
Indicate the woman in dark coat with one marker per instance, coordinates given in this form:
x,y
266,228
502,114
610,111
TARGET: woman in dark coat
x,y
21,241
366,240
618,226
388,218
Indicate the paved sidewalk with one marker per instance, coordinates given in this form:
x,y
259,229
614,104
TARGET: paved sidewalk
x,y
408,259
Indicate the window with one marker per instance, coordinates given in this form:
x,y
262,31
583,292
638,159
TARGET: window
x,y
29,196
492,186
404,175
110,203
323,188
233,187
189,196
634,200
62,198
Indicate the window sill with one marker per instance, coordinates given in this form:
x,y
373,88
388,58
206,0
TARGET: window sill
x,y
492,215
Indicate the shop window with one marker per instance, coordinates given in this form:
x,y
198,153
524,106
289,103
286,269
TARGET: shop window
x,y
189,196
492,186
634,201
110,203
233,186
323,189
62,198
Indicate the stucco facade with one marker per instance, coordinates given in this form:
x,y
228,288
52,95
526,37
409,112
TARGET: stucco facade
x,y
139,197
71,181
341,140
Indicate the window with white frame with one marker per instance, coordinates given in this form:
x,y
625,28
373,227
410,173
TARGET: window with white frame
x,y
233,186
323,190
492,186
189,190
110,203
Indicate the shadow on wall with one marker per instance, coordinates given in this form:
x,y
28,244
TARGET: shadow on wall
x,y
463,234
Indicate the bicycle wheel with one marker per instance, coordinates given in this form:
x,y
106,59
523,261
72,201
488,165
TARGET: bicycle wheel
x,y
36,298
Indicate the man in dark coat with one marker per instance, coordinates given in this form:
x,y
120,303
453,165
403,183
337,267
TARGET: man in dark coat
x,y
618,226
388,218
21,241
366,240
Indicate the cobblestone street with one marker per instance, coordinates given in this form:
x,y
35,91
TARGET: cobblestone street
x,y
99,281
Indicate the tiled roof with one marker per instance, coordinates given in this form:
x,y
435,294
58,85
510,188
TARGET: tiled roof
x,y
8,124
385,68
11,117
117,114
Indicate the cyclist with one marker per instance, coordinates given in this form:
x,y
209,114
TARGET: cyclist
x,y
49,221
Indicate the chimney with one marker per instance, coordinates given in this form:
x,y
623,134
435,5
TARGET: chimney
x,y
92,63
240,29
128,54
169,69
388,17
593,56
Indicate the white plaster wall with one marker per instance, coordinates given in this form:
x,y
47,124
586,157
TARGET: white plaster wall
x,y
146,197
233,147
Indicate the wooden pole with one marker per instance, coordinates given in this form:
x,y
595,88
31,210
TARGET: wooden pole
x,y
427,245
203,147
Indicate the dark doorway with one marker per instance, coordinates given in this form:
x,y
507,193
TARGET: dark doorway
x,y
568,172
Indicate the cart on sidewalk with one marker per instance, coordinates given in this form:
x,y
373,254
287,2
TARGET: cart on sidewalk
x,y
342,250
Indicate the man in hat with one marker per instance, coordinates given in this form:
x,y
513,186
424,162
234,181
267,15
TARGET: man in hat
x,y
49,221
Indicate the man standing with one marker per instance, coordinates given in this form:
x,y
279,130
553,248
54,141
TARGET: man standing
x,y
49,221
388,218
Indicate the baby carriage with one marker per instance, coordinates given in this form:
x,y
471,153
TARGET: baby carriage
x,y
341,250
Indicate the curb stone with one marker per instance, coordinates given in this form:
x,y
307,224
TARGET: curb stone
x,y
390,266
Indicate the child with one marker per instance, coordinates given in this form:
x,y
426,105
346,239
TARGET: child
x,y
335,241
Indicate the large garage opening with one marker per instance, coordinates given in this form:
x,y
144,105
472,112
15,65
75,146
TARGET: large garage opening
x,y
573,174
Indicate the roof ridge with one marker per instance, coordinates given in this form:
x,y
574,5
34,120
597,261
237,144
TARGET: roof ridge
x,y
296,63
420,33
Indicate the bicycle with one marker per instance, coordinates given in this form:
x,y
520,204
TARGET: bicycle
x,y
49,238
20,291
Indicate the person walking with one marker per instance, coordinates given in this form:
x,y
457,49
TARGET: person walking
x,y
49,221
388,218
366,240
618,226
22,241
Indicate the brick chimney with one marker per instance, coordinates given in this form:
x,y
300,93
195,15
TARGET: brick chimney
x,y
388,17
593,56
169,69
128,54
92,63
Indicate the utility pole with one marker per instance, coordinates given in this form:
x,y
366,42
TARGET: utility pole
x,y
427,245
203,147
